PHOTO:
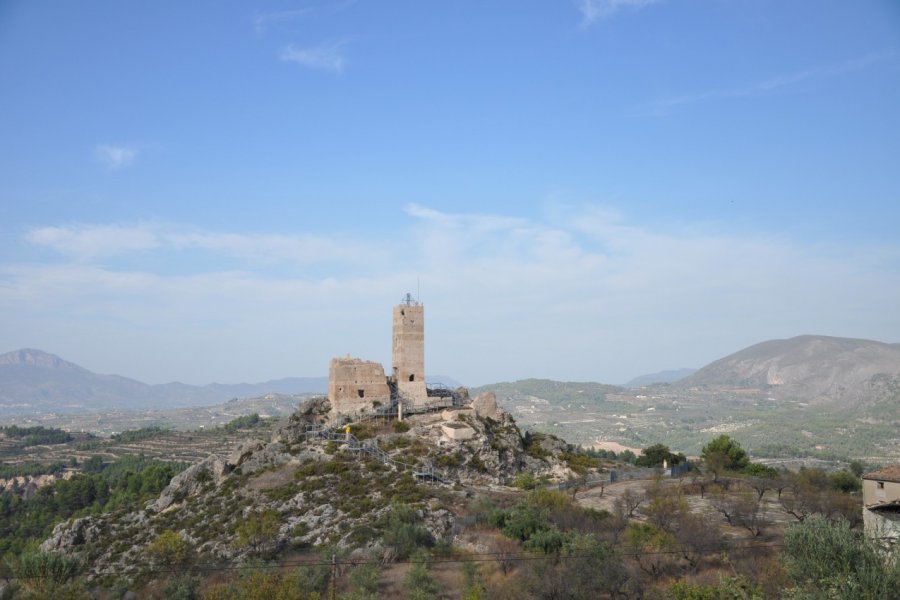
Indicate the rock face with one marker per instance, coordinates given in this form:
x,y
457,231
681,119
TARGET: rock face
x,y
191,481
67,536
485,406
28,485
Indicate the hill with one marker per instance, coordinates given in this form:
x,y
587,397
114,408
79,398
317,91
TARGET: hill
x,y
807,368
813,397
33,381
668,376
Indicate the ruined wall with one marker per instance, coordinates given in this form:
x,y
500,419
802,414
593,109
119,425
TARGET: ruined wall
x,y
409,351
354,384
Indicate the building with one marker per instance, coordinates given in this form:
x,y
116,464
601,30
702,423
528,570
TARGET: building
x,y
881,504
357,387
408,355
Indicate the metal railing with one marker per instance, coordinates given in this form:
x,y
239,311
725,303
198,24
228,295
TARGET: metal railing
x,y
425,471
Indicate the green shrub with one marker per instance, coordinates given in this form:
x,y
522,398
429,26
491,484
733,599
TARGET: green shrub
x,y
477,464
402,532
525,481
400,426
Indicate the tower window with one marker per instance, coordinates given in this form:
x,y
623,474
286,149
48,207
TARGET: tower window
x,y
361,393
412,377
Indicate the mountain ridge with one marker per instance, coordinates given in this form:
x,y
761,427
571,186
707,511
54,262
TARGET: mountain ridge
x,y
814,368
32,380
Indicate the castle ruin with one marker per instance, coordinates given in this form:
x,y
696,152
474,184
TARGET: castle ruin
x,y
358,387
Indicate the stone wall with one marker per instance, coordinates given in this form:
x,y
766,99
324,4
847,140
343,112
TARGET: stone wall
x,y
409,352
354,385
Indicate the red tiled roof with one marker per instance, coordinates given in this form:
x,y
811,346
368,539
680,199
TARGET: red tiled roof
x,y
891,473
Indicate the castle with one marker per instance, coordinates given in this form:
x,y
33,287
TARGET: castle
x,y
359,387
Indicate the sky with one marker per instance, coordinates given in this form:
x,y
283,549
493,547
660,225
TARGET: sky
x,y
582,190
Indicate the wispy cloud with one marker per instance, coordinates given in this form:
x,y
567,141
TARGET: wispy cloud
x,y
98,242
84,242
669,103
328,56
115,157
263,20
583,293
594,10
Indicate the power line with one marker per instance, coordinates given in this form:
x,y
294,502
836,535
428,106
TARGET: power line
x,y
471,558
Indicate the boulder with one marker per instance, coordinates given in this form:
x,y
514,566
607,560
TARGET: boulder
x,y
244,452
485,406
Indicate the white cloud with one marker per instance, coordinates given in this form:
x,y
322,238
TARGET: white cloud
x,y
263,20
115,157
87,242
582,295
324,57
91,241
667,104
593,10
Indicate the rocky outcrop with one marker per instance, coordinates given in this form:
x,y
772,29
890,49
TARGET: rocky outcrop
x,y
67,536
322,491
191,481
28,485
485,405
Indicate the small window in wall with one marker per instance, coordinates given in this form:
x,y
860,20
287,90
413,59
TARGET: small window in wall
x,y
412,377
880,485
361,393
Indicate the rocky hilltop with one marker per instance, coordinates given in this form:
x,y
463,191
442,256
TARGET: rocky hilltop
x,y
809,368
324,486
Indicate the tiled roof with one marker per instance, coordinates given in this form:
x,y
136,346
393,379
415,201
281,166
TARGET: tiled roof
x,y
891,473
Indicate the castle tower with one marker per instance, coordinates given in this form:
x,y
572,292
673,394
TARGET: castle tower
x,y
409,350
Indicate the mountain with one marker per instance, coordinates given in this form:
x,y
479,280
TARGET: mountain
x,y
813,368
33,381
660,377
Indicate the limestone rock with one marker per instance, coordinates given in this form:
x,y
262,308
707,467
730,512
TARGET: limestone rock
x,y
67,535
244,452
190,481
485,406
272,454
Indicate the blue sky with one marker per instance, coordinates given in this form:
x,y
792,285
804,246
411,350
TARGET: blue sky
x,y
585,190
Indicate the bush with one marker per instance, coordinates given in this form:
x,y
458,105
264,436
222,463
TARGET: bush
x,y
830,560
525,481
403,534
400,426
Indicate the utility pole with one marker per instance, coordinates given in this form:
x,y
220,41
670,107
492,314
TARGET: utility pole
x,y
333,576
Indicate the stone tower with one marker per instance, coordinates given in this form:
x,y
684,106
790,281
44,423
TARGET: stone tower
x,y
409,350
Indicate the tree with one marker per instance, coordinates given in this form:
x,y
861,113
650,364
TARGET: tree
x,y
420,585
257,531
170,550
739,509
628,502
725,452
656,455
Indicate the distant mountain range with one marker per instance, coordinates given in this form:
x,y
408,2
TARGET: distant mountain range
x,y
32,381
36,382
813,368
809,368
660,377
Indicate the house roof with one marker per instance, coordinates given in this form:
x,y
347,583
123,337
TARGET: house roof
x,y
891,473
